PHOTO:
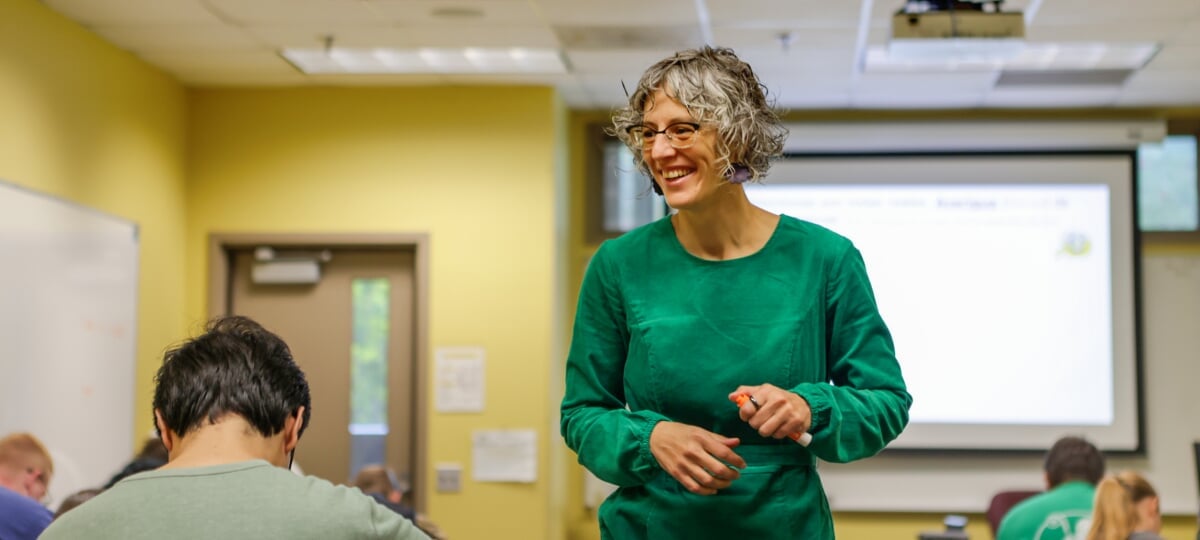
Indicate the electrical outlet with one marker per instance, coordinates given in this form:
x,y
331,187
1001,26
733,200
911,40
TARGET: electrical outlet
x,y
449,477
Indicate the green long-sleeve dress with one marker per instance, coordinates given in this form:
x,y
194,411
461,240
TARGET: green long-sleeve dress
x,y
663,335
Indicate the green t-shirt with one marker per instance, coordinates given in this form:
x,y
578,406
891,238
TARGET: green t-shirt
x,y
249,499
1063,513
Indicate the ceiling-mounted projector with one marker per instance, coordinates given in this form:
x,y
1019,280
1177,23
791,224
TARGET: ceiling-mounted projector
x,y
950,19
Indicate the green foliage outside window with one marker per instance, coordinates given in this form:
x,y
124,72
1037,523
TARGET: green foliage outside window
x,y
371,301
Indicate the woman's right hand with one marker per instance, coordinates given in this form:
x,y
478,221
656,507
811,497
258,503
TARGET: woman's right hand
x,y
702,461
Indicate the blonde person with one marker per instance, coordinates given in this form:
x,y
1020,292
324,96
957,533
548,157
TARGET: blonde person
x,y
720,303
25,471
1126,508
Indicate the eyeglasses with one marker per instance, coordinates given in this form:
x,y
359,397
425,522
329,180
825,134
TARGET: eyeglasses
x,y
679,135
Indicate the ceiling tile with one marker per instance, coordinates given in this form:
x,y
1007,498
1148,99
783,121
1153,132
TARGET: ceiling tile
x,y
1164,79
178,37
792,13
816,101
1176,57
344,35
225,78
1100,12
98,12
618,12
836,58
630,63
785,39
218,61
466,12
246,12
1052,97
1133,31
1189,35
892,100
1160,97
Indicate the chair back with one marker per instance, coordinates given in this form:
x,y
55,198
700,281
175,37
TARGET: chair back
x,y
1002,502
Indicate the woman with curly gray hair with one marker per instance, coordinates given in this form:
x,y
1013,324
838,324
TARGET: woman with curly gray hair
x,y
722,302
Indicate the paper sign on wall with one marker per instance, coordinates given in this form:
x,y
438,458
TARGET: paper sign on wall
x,y
504,455
458,380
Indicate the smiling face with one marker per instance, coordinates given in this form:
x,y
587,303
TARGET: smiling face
x,y
689,177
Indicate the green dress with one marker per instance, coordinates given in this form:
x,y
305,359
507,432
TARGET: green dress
x,y
663,335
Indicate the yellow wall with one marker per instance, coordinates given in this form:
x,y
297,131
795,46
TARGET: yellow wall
x,y
473,167
82,120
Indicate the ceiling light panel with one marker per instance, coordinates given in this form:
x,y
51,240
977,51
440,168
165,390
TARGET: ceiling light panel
x,y
1004,54
473,35
472,60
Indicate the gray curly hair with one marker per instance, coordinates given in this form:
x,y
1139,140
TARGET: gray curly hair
x,y
719,89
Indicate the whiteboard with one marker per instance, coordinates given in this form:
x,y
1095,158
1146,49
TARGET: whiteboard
x,y
68,306
965,483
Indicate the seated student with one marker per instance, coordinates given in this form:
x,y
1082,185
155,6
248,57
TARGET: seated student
x,y
1072,468
230,407
152,456
25,471
381,484
1126,509
76,499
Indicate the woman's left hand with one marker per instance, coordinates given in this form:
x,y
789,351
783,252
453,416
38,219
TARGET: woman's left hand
x,y
778,412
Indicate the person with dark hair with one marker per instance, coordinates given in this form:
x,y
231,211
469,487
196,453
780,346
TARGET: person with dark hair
x,y
25,471
1072,468
152,456
75,499
1127,508
722,302
230,407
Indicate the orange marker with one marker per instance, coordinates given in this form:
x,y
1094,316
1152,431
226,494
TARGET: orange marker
x,y
802,438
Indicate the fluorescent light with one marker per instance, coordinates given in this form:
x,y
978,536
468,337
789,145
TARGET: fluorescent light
x,y
473,60
1005,54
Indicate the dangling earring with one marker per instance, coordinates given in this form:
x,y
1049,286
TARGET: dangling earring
x,y
738,174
